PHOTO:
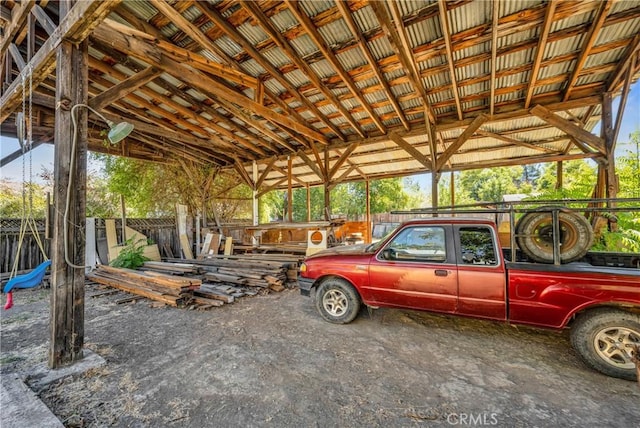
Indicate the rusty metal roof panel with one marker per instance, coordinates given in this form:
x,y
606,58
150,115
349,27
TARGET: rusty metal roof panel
x,y
211,55
380,48
335,33
514,6
314,7
253,33
410,7
274,86
365,19
276,56
304,46
227,45
284,20
469,15
362,84
323,69
351,59
252,67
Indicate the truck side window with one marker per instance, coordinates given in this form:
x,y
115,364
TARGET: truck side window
x,y
421,244
477,246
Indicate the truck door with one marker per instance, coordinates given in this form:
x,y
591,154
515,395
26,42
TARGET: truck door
x,y
481,272
416,269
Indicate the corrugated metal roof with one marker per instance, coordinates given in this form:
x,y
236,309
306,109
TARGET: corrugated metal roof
x,y
351,59
380,48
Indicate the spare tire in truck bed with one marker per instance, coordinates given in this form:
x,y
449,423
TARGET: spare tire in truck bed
x,y
534,234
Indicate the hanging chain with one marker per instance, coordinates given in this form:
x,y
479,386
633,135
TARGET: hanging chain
x,y
30,141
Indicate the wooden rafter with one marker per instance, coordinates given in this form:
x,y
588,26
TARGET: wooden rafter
x,y
623,103
75,26
243,173
285,174
266,172
18,20
142,49
590,39
542,42
283,44
342,159
380,10
625,64
495,8
314,167
446,34
569,127
415,153
43,19
355,30
453,148
330,56
123,88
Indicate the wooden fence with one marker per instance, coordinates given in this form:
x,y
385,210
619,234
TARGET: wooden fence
x,y
161,231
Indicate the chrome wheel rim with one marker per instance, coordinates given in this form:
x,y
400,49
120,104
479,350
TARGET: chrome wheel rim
x,y
615,345
335,303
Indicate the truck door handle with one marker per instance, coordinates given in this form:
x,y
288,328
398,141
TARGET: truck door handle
x,y
442,272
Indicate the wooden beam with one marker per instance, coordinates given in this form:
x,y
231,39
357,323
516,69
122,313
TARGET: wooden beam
x,y
330,56
415,153
342,159
83,17
44,20
254,9
446,34
284,173
123,88
19,16
514,141
542,42
243,173
625,63
289,192
568,127
266,172
142,49
17,57
199,37
590,39
314,167
343,7
343,176
623,102
274,186
468,132
380,10
495,6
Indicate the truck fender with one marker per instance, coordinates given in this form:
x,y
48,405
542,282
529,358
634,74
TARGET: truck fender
x,y
625,306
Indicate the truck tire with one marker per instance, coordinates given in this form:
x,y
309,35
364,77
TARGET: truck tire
x,y
535,236
337,301
606,339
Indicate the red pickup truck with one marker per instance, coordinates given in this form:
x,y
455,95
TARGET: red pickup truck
x,y
455,266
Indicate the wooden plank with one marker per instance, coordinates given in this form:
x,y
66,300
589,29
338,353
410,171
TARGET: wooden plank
x,y
228,246
206,246
185,246
18,20
123,88
446,35
542,42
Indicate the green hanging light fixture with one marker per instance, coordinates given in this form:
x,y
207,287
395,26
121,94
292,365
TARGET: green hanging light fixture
x,y
117,131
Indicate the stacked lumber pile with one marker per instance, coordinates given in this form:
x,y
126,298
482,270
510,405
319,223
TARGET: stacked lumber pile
x,y
168,289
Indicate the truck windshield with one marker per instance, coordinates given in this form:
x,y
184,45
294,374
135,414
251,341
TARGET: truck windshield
x,y
375,245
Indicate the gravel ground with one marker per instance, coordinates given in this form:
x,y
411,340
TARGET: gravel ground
x,y
271,361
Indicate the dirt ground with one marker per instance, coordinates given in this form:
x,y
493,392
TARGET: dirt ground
x,y
271,361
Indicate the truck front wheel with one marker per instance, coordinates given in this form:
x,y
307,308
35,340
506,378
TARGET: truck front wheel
x,y
606,340
337,301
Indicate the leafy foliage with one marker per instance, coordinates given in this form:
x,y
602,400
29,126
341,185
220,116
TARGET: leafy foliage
x,y
131,256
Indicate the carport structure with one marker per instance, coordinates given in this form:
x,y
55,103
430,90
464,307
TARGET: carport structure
x,y
293,94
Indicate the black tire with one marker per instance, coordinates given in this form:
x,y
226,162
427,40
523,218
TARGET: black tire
x,y
601,330
535,236
337,301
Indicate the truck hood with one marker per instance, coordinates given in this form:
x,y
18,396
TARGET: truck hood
x,y
344,250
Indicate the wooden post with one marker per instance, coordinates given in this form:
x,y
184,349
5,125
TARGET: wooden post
x,y
123,217
255,215
607,133
368,211
289,192
67,283
327,186
308,203
435,177
452,189
559,175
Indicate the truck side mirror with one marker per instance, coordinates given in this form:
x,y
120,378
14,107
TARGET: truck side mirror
x,y
388,254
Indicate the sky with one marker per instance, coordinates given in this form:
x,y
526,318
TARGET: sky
x,y
42,156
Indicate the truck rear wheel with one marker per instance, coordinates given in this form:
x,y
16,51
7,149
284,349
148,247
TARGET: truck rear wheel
x,y
606,340
337,301
535,236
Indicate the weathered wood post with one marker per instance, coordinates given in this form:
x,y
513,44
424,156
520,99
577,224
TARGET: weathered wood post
x,y
67,283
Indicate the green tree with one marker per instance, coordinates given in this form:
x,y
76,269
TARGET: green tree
x,y
12,203
579,179
490,184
